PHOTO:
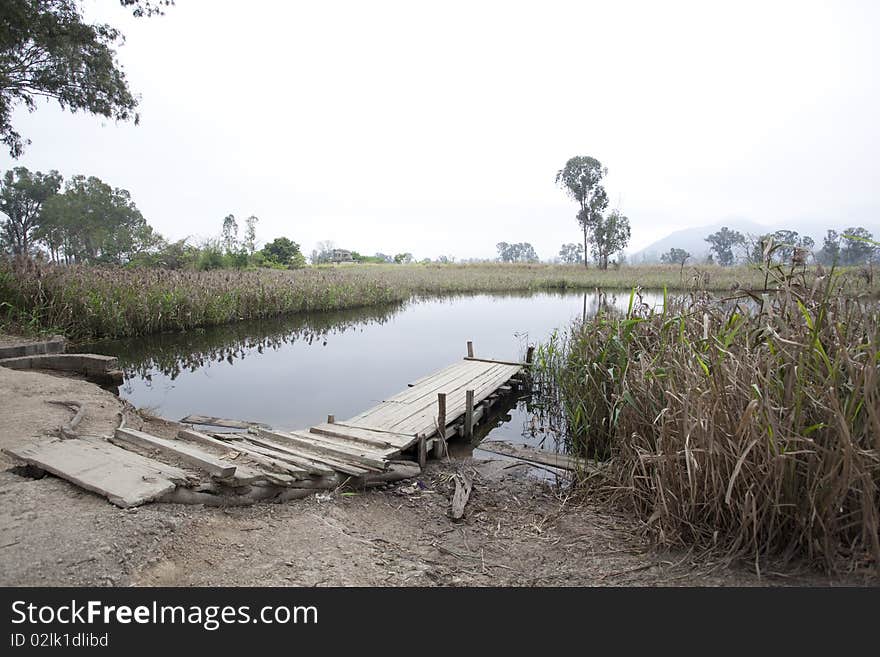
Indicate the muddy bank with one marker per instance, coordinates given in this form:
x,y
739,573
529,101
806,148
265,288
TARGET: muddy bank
x,y
516,530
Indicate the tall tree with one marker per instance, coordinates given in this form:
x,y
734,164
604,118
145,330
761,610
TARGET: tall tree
x,y
581,179
250,234
857,246
94,222
48,50
22,197
723,244
611,234
829,254
572,254
230,233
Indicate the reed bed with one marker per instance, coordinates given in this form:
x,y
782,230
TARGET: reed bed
x,y
749,425
85,302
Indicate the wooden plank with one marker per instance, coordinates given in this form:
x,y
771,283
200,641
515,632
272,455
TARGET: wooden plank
x,y
563,461
191,455
332,447
417,407
425,378
244,474
270,461
443,382
423,419
370,438
209,421
323,460
125,478
314,463
500,362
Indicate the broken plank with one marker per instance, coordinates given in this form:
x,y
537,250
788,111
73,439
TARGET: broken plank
x,y
125,478
334,448
209,421
305,460
175,448
554,459
369,437
266,460
244,474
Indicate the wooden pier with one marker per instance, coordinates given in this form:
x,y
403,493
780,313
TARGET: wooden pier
x,y
387,442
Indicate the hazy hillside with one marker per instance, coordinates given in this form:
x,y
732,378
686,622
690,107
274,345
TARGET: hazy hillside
x,y
693,240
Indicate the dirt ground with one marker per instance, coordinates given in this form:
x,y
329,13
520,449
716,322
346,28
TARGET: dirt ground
x,y
518,530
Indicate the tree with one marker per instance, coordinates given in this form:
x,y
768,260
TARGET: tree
x,y
519,252
403,258
581,178
610,235
858,246
723,243
230,234
250,235
94,222
282,251
829,254
22,197
572,254
675,257
48,50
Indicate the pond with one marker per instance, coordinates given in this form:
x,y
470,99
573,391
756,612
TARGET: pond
x,y
292,372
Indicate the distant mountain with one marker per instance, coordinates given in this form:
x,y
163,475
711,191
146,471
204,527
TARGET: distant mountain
x,y
693,240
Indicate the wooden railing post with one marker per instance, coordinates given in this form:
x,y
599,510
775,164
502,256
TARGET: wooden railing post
x,y
331,419
530,353
423,452
469,414
440,440
470,348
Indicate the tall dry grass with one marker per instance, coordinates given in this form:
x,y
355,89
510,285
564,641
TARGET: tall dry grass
x,y
749,425
92,302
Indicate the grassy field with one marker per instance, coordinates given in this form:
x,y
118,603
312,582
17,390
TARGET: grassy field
x,y
92,302
750,427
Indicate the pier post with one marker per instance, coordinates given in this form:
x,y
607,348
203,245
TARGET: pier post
x,y
423,452
470,347
469,414
331,419
440,442
530,353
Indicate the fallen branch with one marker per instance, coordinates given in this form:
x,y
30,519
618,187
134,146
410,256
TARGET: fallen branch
x,y
68,430
463,486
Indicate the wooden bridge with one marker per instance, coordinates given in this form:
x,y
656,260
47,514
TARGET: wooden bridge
x,y
389,441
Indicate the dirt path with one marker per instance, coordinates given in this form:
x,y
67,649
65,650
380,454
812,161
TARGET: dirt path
x,y
517,530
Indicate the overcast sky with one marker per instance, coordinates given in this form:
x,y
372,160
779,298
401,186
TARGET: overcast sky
x,y
438,128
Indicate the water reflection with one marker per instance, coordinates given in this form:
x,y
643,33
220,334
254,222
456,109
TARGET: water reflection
x,y
292,372
172,354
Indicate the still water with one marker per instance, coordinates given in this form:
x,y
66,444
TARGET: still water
x,y
292,372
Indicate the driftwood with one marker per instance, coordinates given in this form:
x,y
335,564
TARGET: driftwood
x,y
463,486
68,430
562,461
